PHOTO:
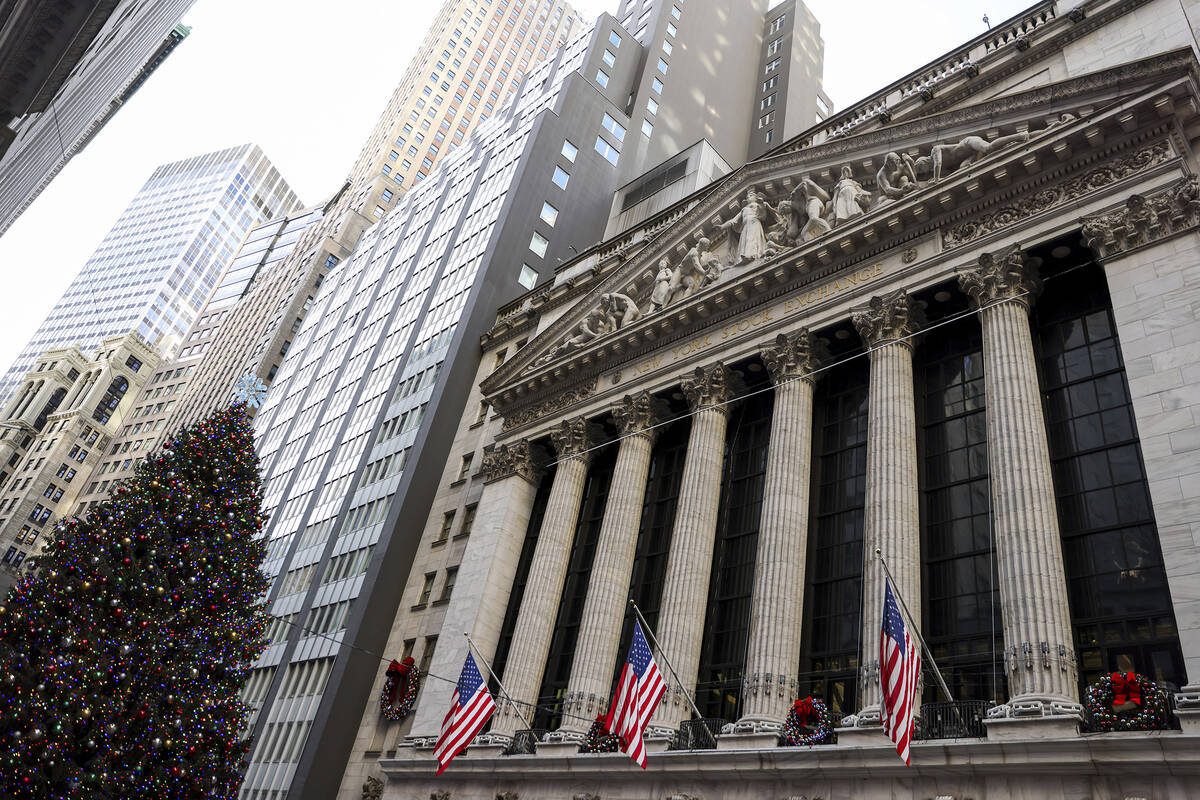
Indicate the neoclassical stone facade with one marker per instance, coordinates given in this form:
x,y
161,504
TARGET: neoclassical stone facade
x,y
957,331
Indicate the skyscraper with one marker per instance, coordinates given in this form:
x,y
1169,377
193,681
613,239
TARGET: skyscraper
x,y
359,425
158,264
65,69
469,63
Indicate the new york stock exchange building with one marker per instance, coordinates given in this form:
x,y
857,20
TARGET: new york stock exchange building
x,y
958,325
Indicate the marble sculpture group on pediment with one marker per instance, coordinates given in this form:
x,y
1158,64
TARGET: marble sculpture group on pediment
x,y
759,229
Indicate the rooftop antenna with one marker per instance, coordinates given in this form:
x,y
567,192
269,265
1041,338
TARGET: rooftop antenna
x,y
987,22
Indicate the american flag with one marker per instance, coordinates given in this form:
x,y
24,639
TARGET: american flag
x,y
470,706
638,691
900,666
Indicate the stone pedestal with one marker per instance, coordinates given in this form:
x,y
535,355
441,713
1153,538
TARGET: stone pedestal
x,y
605,609
748,741
773,650
891,508
557,749
689,564
1029,728
494,750
547,574
1039,654
869,736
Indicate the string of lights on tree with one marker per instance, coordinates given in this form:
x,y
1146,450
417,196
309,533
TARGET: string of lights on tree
x,y
122,655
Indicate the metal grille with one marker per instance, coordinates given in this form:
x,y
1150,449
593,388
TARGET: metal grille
x,y
697,734
958,720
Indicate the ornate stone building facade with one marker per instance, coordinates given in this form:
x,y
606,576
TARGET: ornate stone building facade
x,y
955,324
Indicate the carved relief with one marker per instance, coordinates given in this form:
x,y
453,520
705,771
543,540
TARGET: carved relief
x,y
372,789
792,356
573,437
748,225
439,796
886,318
1005,275
1144,219
710,386
637,413
507,796
515,458
1051,197
560,401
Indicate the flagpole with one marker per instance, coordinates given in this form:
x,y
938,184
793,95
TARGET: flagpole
x,y
912,624
492,672
667,661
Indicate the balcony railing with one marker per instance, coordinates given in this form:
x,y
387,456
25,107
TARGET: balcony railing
x,y
962,719
697,734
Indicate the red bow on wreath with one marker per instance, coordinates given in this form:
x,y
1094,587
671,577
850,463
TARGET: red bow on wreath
x,y
1126,689
401,668
806,712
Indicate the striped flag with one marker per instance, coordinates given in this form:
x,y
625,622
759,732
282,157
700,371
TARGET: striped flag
x,y
470,706
638,690
899,668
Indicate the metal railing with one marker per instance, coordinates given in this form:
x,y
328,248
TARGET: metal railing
x,y
524,742
962,719
697,734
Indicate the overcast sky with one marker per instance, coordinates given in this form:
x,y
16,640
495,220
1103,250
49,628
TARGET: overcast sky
x,y
306,81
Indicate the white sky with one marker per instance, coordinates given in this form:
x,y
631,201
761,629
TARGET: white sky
x,y
306,81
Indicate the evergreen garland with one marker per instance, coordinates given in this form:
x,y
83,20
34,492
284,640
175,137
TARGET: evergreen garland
x,y
599,740
809,722
403,679
1126,702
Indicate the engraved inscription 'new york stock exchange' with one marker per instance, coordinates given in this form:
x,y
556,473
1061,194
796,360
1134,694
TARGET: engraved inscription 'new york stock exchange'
x,y
754,321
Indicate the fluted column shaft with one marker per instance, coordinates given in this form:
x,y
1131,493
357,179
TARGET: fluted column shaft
x,y
605,609
892,501
547,574
1040,656
689,564
773,651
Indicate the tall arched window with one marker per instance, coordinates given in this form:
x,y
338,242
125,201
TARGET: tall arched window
x,y
110,401
51,406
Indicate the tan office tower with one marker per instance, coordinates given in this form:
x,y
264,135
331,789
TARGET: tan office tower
x,y
472,58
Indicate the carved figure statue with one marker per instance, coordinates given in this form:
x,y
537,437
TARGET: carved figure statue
x,y
748,223
786,231
698,269
947,158
895,179
619,310
850,199
661,293
814,200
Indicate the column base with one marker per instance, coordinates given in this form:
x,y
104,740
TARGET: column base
x,y
1187,709
763,740
479,749
558,749
1034,718
864,729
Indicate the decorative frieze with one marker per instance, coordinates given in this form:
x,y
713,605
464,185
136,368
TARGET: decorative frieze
x,y
1144,219
515,458
1004,275
536,411
887,318
1030,204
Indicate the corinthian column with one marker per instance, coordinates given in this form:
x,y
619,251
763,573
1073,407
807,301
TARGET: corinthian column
x,y
689,564
891,509
1040,657
605,608
774,647
547,574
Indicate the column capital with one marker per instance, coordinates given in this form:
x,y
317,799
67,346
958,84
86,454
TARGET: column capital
x,y
1007,274
515,458
793,355
886,318
710,386
636,413
572,438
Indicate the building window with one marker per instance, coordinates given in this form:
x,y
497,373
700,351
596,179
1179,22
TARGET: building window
x,y
392,156
772,66
607,150
561,177
426,588
569,150
387,195
608,58
614,38
769,136
767,102
427,655
379,212
528,278
549,214
671,29
464,468
468,520
667,48
448,585
481,414
612,126
776,24
538,244
662,66
770,83
766,119
602,77
675,12
447,524
133,363
656,85
773,47
647,128
652,105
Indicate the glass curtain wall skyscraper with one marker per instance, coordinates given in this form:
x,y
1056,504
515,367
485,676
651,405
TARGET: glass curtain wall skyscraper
x,y
158,264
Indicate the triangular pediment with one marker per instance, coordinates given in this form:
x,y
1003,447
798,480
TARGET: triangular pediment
x,y
803,216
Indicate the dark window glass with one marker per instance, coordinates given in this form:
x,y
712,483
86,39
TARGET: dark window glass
x,y
961,609
112,398
51,406
570,609
723,650
833,597
1120,604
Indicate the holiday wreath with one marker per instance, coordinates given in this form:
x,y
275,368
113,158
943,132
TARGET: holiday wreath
x,y
399,689
599,740
807,723
1126,701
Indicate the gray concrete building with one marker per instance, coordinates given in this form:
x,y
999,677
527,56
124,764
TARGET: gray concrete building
x,y
968,339
360,421
66,66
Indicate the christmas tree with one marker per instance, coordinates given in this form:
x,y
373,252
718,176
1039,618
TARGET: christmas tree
x,y
122,657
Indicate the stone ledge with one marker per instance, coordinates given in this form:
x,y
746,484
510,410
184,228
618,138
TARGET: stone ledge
x,y
1012,729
